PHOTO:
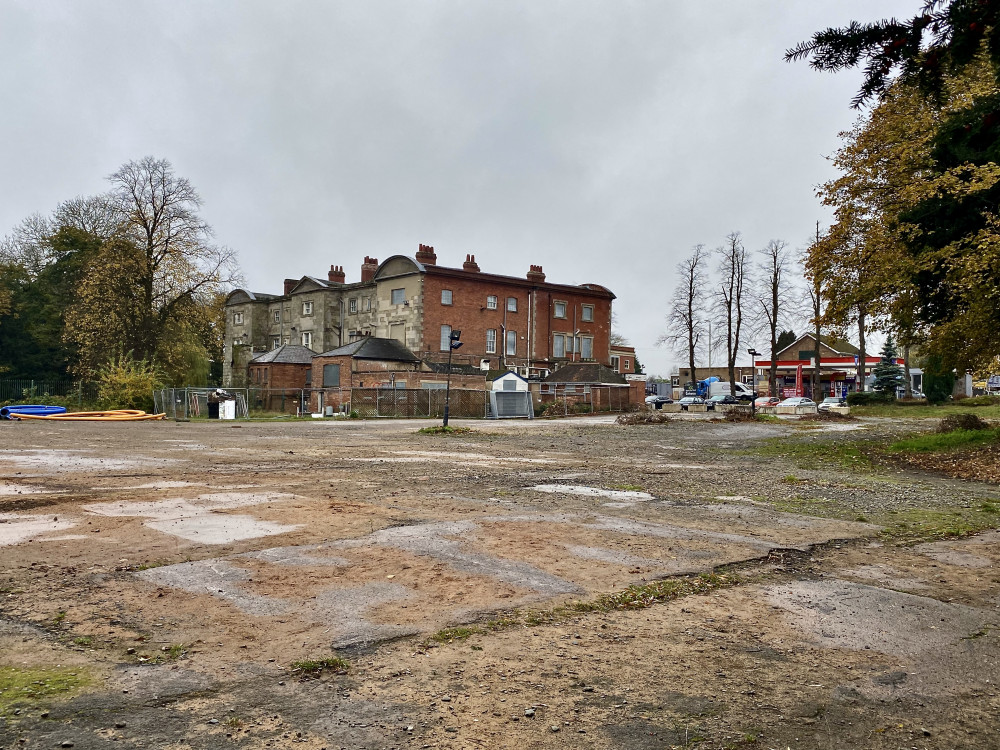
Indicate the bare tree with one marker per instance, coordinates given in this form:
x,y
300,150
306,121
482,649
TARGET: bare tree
x,y
774,299
729,297
687,315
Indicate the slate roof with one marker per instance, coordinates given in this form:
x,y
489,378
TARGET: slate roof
x,y
371,347
585,372
286,354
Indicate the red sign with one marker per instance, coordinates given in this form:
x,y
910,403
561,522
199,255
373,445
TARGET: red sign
x,y
798,381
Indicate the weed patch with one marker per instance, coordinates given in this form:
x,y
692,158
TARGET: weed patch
x,y
443,430
315,667
28,687
940,442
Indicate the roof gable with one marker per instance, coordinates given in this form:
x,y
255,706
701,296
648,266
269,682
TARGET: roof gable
x,y
840,346
309,284
286,354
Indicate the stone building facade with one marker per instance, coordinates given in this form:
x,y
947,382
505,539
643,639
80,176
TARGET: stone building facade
x,y
525,323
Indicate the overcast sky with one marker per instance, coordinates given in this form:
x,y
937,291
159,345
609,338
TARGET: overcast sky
x,y
601,140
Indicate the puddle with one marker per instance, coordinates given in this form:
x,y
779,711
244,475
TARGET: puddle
x,y
198,519
577,489
65,460
840,614
15,529
21,489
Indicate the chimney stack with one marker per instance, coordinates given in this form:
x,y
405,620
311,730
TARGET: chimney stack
x,y
426,255
470,264
336,275
368,269
536,275
290,285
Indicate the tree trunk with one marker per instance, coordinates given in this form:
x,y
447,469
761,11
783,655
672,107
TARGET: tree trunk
x,y
907,387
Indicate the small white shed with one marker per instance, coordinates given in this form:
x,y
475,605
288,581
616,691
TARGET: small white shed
x,y
510,381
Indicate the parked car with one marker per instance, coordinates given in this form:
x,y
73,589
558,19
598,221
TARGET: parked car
x,y
797,401
722,398
766,401
689,400
655,402
831,401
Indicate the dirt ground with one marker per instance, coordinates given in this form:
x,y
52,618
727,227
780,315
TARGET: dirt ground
x,y
176,574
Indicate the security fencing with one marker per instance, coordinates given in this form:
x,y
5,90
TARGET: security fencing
x,y
563,399
75,394
417,402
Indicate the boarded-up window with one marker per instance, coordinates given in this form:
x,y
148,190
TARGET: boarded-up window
x,y
397,331
331,376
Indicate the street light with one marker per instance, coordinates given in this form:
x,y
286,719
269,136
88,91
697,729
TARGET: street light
x,y
453,344
753,404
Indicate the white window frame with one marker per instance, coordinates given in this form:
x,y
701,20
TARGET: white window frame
x,y
555,309
587,315
445,338
512,304
275,342
307,307
368,304
491,340
446,296
352,305
491,302
615,363
397,296
558,346
586,342
277,316
237,318
625,361
307,339
511,344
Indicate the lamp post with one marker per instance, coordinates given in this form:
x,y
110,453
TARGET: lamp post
x,y
453,344
753,357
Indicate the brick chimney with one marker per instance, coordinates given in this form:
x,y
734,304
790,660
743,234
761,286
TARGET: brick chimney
x,y
535,274
290,285
470,264
336,275
368,268
426,255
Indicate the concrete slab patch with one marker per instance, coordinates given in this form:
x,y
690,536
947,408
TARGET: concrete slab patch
x,y
965,553
576,489
612,556
219,528
10,488
841,614
15,529
887,576
221,579
77,460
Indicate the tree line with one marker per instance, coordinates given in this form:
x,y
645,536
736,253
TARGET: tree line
x,y
130,276
914,250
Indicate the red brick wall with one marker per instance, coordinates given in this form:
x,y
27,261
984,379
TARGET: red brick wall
x,y
469,314
274,375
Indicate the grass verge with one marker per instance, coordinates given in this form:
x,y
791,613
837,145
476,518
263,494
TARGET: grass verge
x,y
442,430
938,442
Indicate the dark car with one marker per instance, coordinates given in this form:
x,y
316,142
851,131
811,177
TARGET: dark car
x,y
722,398
689,401
657,402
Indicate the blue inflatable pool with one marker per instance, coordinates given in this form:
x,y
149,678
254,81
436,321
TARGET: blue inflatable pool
x,y
11,412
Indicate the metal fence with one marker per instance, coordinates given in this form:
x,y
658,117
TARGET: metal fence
x,y
417,402
68,393
563,399
192,403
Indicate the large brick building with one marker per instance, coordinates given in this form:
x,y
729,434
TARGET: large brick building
x,y
510,322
